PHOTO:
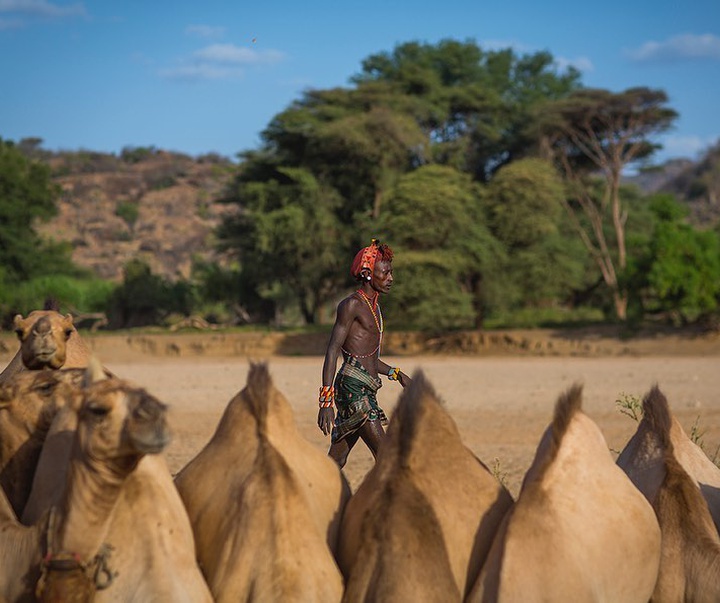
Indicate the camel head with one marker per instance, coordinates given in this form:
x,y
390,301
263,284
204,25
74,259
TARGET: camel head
x,y
28,403
30,400
43,338
119,423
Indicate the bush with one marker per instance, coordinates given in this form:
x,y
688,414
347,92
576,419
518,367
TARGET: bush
x,y
128,211
145,298
73,294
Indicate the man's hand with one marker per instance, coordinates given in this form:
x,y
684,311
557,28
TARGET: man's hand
x,y
326,419
404,379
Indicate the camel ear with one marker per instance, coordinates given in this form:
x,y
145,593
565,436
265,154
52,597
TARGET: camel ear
x,y
94,372
67,325
19,324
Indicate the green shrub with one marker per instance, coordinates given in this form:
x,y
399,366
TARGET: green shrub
x,y
73,294
128,211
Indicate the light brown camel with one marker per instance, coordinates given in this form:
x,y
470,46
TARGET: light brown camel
x,y
28,403
690,560
421,523
647,474
21,551
118,498
579,531
265,504
47,340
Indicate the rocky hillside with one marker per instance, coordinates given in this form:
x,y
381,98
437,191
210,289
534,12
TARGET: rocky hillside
x,y
696,183
157,206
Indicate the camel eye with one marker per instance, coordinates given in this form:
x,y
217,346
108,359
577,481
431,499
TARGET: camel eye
x,y
68,332
46,388
98,411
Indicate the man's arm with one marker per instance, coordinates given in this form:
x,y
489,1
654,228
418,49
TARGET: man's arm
x,y
343,321
400,377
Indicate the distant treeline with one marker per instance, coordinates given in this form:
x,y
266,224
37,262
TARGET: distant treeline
x,y
495,177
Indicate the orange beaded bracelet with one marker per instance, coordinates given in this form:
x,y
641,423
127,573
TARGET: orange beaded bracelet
x,y
327,396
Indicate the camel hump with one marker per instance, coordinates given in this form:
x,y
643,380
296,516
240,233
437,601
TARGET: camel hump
x,y
656,412
419,405
259,392
566,407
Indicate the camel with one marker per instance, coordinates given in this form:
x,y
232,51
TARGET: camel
x,y
693,459
579,530
28,404
264,503
117,530
20,555
422,521
690,559
47,340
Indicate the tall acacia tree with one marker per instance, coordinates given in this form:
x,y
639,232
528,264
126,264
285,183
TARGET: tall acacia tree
x,y
600,131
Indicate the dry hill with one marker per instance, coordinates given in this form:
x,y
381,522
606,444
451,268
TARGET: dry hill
x,y
157,206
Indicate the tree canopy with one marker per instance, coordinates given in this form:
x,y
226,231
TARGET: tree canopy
x,y
373,154
27,194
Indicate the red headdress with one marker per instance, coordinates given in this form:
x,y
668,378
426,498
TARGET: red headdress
x,y
365,258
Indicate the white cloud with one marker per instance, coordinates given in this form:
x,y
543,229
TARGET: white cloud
x,y
205,31
42,8
681,47
202,71
237,55
220,61
580,63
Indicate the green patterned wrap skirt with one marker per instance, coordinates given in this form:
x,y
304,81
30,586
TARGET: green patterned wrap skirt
x,y
355,398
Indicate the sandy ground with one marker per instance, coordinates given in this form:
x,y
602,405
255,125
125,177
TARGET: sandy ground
x,y
500,402
501,405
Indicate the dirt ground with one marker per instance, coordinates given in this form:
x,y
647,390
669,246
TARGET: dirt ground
x,y
500,401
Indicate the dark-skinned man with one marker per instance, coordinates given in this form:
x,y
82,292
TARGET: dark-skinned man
x,y
357,336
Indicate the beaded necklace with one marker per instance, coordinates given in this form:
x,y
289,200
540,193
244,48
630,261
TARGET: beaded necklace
x,y
372,304
378,317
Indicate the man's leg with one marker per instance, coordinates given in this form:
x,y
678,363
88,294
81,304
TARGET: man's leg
x,y
372,433
339,450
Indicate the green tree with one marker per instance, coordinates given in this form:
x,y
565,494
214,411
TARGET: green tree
x,y
27,194
289,241
145,298
358,141
595,131
474,105
525,213
434,219
679,274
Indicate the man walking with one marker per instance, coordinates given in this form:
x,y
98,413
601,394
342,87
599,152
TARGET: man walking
x,y
357,335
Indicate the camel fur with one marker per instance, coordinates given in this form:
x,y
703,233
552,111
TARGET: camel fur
x,y
579,531
690,560
421,523
265,504
118,498
29,402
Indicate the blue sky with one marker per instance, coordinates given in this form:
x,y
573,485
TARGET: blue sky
x,y
208,76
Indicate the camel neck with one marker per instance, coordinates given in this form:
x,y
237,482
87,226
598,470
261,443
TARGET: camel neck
x,y
86,509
